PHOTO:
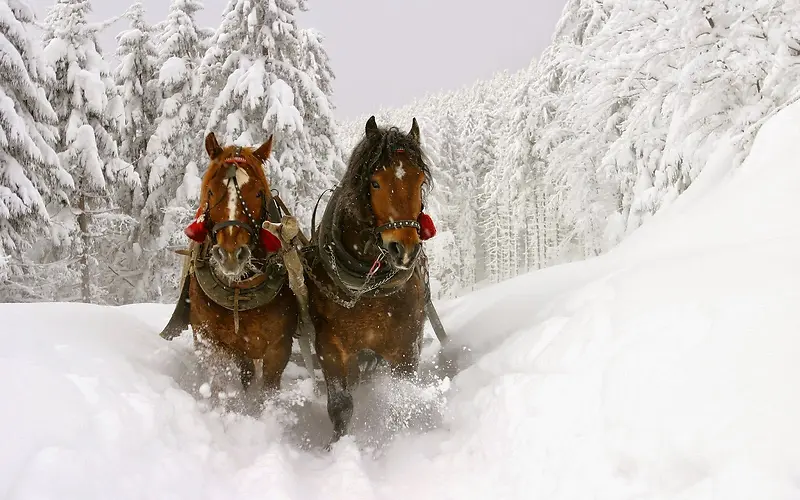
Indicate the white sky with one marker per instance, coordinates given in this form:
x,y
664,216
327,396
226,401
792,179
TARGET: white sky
x,y
388,52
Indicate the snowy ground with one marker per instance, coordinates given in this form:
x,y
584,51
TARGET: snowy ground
x,y
665,369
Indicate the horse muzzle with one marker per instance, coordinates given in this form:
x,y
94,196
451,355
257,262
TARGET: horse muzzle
x,y
232,264
401,255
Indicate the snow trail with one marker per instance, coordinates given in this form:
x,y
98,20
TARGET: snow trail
x,y
664,369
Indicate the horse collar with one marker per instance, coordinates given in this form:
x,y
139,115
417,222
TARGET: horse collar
x,y
348,271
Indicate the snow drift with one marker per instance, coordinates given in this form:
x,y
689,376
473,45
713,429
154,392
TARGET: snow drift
x,y
664,369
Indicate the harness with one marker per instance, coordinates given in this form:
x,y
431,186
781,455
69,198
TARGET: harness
x,y
352,277
266,284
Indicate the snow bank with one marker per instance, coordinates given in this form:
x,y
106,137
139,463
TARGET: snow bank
x,y
665,369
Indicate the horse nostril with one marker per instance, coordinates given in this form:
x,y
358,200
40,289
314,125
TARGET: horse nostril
x,y
396,249
218,253
242,254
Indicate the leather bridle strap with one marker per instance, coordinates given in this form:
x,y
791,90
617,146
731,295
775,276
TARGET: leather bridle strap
x,y
397,225
235,161
219,226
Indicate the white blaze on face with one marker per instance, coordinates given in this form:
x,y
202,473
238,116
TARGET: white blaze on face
x,y
399,171
233,199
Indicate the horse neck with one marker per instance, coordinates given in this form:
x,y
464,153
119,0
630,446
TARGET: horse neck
x,y
353,234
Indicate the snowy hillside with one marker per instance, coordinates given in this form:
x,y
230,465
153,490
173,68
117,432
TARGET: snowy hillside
x,y
663,369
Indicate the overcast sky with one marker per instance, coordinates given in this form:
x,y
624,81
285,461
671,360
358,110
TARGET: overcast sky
x,y
388,52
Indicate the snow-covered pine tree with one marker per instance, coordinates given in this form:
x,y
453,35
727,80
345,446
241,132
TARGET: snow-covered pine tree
x,y
172,152
93,232
31,176
481,154
574,191
136,78
443,251
274,78
522,175
463,222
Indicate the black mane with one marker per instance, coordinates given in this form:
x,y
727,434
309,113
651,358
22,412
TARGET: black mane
x,y
372,152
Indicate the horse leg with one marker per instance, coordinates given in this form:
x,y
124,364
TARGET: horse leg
x,y
404,364
335,363
215,361
340,407
364,365
247,370
275,360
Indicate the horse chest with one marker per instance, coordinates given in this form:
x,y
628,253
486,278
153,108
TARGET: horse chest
x,y
260,330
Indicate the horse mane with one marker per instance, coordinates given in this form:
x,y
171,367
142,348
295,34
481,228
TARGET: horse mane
x,y
373,151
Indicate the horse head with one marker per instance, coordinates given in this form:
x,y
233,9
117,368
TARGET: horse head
x,y
393,177
235,196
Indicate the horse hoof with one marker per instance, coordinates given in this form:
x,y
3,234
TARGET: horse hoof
x,y
368,361
333,441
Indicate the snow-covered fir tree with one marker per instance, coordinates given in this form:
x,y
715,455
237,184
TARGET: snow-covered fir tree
x,y
557,162
136,78
267,76
172,152
615,120
91,230
31,176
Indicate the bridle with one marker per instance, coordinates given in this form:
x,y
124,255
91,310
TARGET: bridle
x,y
375,233
269,208
397,224
350,273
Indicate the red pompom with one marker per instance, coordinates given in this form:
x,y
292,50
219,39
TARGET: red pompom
x,y
196,231
427,229
271,242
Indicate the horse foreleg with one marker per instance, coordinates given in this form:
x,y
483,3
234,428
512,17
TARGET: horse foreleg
x,y
403,364
340,407
275,360
247,370
335,365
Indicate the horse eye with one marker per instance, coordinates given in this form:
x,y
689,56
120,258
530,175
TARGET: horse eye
x,y
376,185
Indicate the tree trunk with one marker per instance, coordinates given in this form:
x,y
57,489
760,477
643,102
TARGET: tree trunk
x,y
83,224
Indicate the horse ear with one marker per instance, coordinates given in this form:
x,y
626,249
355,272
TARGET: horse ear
x,y
414,132
372,126
263,151
212,146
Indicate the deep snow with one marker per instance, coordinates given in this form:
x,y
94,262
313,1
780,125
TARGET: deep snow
x,y
664,369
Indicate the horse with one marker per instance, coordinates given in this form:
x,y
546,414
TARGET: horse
x,y
239,305
368,288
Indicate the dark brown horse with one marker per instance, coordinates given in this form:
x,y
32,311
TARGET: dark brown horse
x,y
368,272
241,308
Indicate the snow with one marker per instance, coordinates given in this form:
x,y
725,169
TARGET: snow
x,y
88,157
282,108
174,70
663,369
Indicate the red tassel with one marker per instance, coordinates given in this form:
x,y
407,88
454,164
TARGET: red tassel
x,y
196,231
269,240
427,229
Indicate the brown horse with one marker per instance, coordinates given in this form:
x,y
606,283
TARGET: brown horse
x,y
368,273
241,307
